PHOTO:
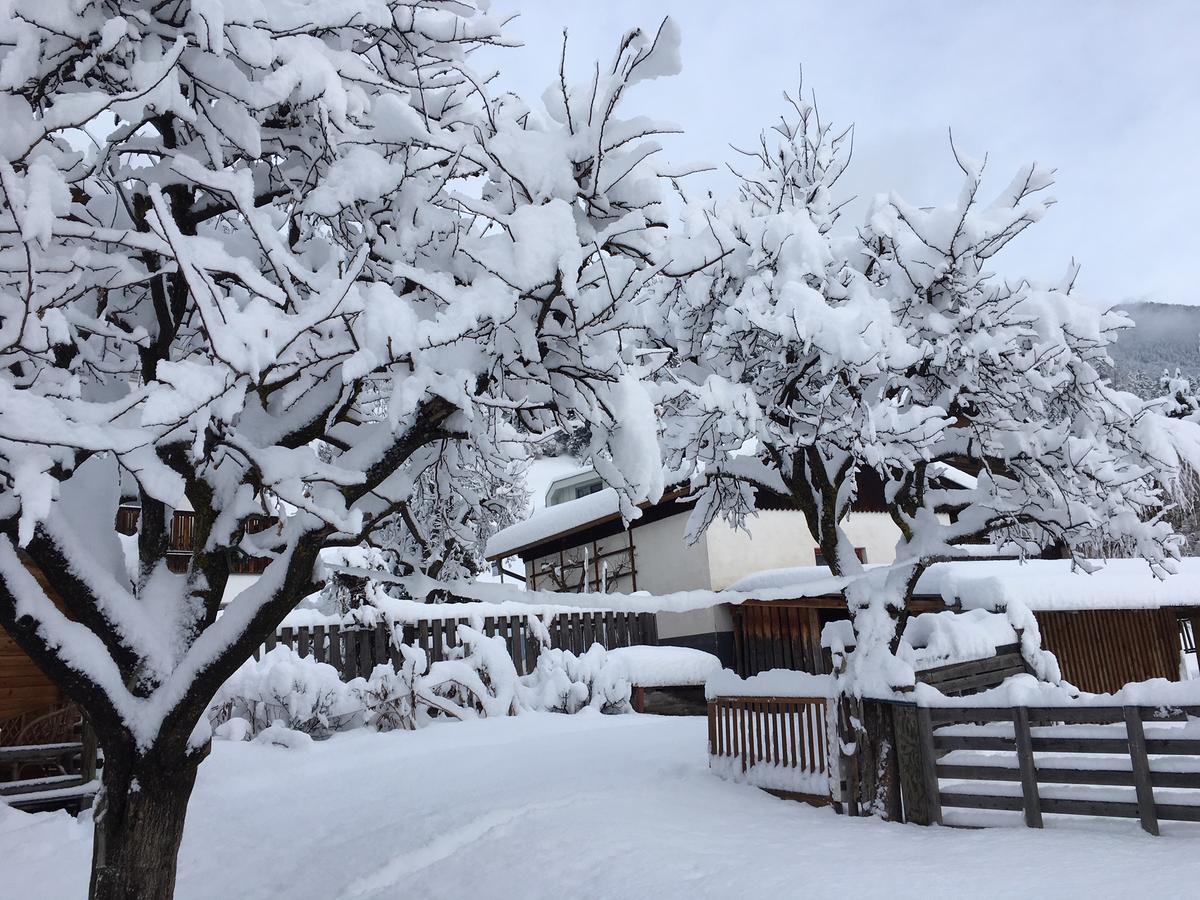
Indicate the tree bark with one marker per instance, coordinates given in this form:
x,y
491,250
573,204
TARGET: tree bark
x,y
879,787
139,818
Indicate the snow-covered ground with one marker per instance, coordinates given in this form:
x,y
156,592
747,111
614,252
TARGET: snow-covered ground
x,y
555,806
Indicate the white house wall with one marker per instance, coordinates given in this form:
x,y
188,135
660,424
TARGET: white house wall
x,y
779,539
774,539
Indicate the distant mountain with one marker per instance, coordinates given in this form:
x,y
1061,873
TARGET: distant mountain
x,y
1166,336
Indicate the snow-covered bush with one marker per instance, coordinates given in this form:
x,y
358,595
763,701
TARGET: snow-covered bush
x,y
389,697
286,692
566,683
479,678
294,692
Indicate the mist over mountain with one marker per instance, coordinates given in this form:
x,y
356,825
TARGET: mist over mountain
x,y
1166,336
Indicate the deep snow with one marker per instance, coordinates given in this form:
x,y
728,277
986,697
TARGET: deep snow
x,y
552,806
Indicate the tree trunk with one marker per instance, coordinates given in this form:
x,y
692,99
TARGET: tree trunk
x,y
139,816
879,785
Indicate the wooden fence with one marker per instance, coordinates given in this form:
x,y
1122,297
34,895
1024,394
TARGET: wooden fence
x,y
355,650
1124,762
957,679
788,733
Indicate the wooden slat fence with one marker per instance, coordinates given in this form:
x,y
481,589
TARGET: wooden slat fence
x,y
777,635
984,759
789,732
957,679
355,650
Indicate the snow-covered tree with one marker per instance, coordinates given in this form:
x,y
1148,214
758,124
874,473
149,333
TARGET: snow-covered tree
x,y
459,498
231,235
1180,405
809,360
780,383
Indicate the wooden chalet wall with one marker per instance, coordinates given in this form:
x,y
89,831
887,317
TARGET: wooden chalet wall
x,y
781,634
1102,650
23,687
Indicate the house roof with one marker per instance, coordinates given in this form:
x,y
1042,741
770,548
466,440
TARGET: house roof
x,y
552,523
1041,584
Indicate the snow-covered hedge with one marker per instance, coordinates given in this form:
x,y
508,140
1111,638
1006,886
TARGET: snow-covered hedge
x,y
285,693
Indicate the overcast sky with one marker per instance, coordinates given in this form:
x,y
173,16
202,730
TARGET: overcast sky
x,y
1107,93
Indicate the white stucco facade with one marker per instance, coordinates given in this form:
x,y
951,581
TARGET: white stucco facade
x,y
664,562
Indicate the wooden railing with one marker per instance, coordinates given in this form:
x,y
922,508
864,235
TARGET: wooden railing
x,y
784,733
975,675
983,759
355,650
183,539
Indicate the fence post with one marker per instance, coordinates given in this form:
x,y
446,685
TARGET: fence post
x,y
533,646
382,638
87,760
929,764
335,648
1030,798
915,784
1141,769
513,624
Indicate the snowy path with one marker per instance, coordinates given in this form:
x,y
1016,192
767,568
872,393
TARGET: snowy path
x,y
586,806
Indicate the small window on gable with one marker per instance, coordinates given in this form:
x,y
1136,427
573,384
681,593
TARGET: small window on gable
x,y
860,552
591,487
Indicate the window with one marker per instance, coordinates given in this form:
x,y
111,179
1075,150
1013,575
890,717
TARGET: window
x,y
592,487
860,552
573,488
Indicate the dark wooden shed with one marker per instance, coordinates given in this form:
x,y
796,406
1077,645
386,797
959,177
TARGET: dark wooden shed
x,y
1098,650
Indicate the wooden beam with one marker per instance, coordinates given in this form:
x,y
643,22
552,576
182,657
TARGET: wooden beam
x,y
1030,799
1141,769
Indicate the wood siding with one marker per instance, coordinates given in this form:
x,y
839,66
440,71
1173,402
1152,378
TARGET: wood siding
x,y
23,687
1098,650
1102,650
781,634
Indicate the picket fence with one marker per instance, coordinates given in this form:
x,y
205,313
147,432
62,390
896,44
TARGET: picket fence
x,y
354,650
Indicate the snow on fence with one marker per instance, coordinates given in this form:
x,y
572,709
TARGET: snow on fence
x,y
354,650
772,730
779,744
1140,762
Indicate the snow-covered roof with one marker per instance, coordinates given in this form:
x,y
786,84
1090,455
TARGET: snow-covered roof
x,y
554,521
547,471
548,522
1041,584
